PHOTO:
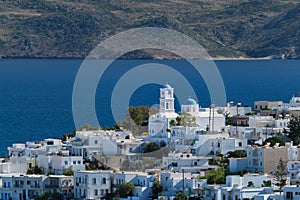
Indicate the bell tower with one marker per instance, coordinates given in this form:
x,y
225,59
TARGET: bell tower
x,y
166,99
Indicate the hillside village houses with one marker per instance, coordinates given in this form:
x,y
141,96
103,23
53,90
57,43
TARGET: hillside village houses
x,y
94,164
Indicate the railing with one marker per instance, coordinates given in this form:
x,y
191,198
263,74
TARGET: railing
x,y
18,186
51,186
35,186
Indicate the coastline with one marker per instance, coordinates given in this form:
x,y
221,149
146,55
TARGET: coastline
x,y
83,58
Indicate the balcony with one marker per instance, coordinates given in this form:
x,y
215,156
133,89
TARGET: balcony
x,y
18,186
35,186
51,186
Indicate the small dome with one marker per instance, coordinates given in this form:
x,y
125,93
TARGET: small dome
x,y
190,101
166,86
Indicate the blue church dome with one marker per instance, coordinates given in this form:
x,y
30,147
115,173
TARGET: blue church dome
x,y
190,101
166,86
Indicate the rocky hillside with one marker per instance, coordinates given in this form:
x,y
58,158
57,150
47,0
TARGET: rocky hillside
x,y
72,28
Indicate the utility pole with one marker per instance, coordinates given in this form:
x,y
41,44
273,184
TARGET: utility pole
x,y
209,119
236,123
213,116
182,180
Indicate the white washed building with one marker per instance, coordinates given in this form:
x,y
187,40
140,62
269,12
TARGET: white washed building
x,y
159,122
142,183
92,184
173,182
59,164
186,161
247,186
293,168
61,184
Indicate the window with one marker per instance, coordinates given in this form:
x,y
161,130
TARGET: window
x,y
289,195
78,162
96,141
66,162
94,181
102,192
195,163
28,182
96,192
240,144
74,162
103,180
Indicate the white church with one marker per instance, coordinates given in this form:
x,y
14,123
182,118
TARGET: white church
x,y
207,119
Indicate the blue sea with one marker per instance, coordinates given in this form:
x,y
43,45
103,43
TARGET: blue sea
x,y
36,94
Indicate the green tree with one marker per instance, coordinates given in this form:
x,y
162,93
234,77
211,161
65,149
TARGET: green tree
x,y
250,184
178,121
237,154
267,184
69,135
226,114
228,119
89,127
156,189
125,189
216,176
185,119
95,165
35,170
274,140
180,196
150,147
139,115
68,172
153,110
294,133
162,143
280,175
172,122
136,119
50,196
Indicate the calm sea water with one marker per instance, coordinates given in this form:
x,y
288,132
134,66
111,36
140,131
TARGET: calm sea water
x,y
36,94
